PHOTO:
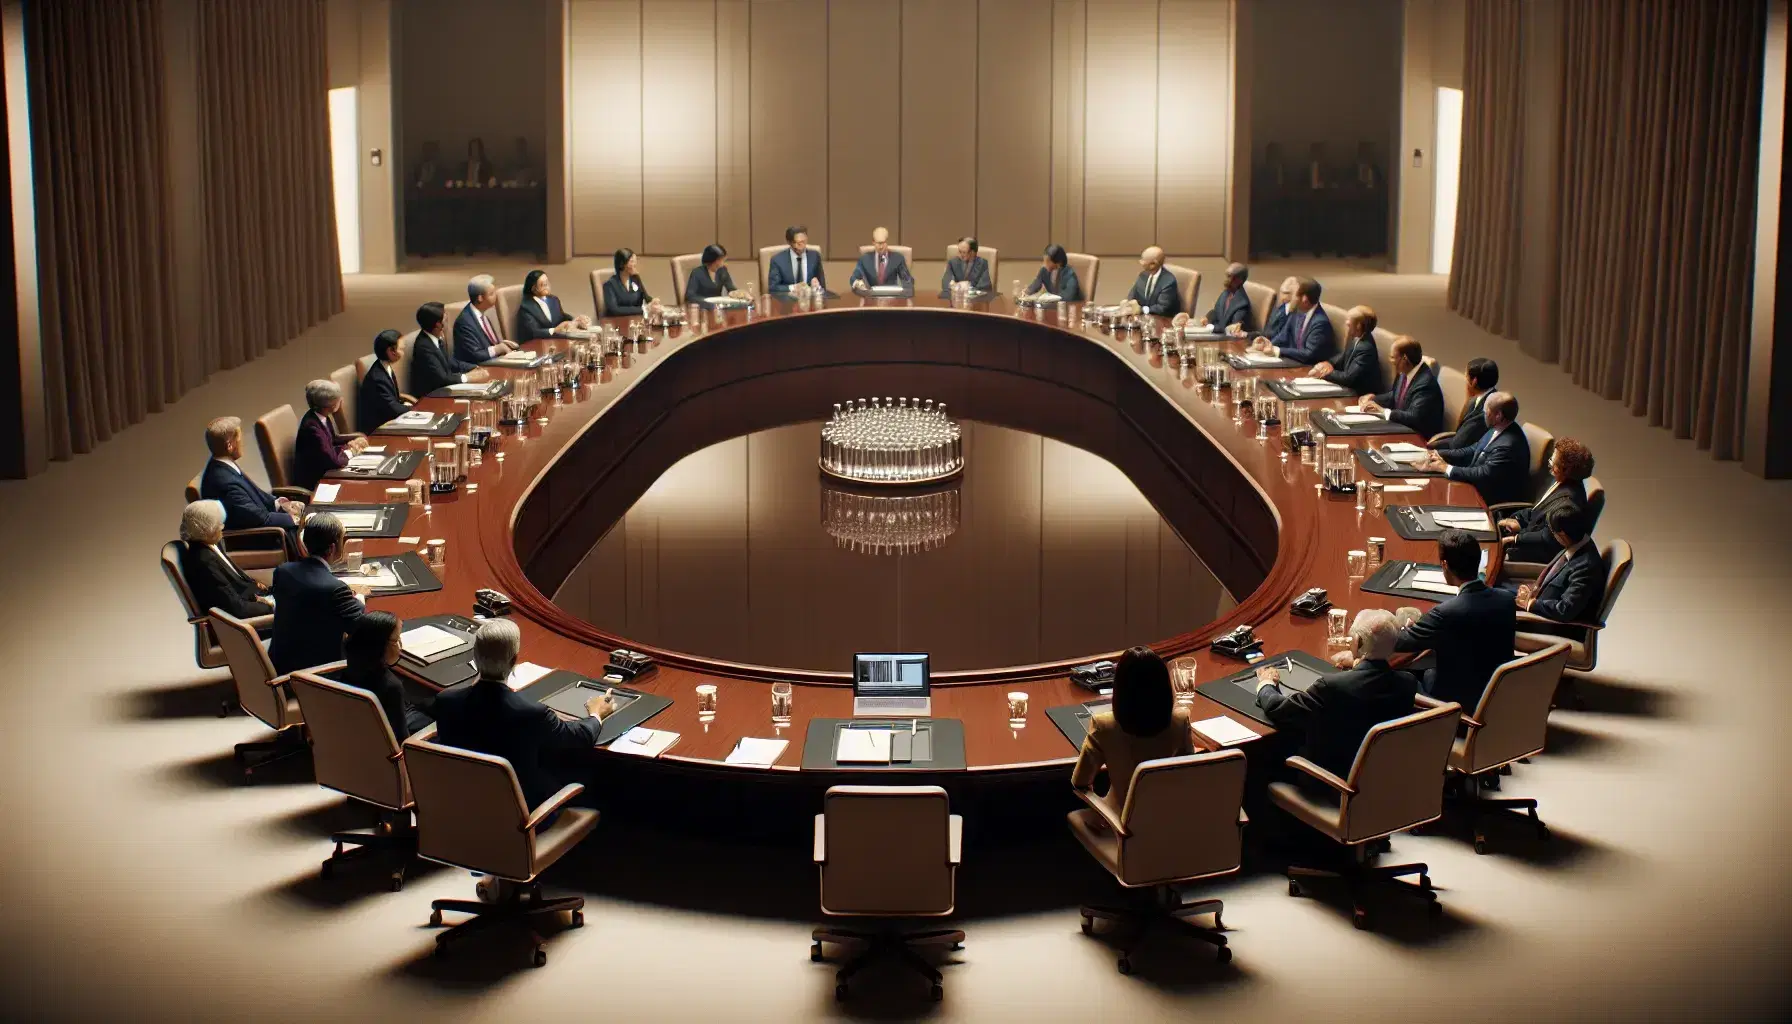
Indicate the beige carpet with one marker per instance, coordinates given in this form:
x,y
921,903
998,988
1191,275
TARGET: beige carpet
x,y
143,882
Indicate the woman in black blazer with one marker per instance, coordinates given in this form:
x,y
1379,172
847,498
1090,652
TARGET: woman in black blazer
x,y
213,578
711,279
372,648
541,315
623,294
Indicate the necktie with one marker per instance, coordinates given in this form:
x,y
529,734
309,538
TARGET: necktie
x,y
1481,447
797,261
880,270
1400,394
489,336
1555,563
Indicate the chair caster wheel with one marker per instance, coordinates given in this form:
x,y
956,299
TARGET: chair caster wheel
x,y
1088,925
441,949
1425,883
397,882
435,918
815,953
327,870
840,993
1542,832
1359,917
540,959
1436,909
1481,844
1125,965
578,919
1293,887
1224,955
939,993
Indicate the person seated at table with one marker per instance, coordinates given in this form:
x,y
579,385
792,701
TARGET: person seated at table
x,y
1525,533
710,278
313,609
1306,336
1572,587
1056,277
317,450
1279,311
1415,401
1483,375
1498,465
1155,291
1359,368
432,366
381,400
1469,635
474,340
541,315
478,170
881,266
1232,307
372,648
431,172
796,264
246,505
213,578
522,172
623,294
488,717
965,265
1332,716
1143,724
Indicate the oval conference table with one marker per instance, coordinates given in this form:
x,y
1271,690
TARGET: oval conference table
x,y
546,491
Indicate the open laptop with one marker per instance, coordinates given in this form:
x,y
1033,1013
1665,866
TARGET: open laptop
x,y
891,684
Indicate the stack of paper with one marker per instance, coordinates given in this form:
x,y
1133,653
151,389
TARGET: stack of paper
x,y
1310,384
470,389
863,746
382,576
1260,359
416,418
1224,732
644,742
1353,419
757,753
365,461
325,493
1431,580
521,357
888,289
1462,520
358,519
525,673
1194,331
424,641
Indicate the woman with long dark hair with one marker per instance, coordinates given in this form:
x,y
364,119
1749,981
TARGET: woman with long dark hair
x,y
1144,724
540,314
372,648
623,294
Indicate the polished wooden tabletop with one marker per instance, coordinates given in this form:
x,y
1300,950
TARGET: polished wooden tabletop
x,y
480,525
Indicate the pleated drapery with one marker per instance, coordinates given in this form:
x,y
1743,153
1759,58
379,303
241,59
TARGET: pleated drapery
x,y
1484,267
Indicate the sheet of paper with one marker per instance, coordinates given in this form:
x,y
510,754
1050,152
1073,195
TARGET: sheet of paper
x,y
410,540
1356,419
1435,588
1400,447
525,673
1405,458
1224,731
326,493
863,746
1192,331
1260,359
424,641
358,520
374,449
887,289
1402,488
644,742
757,753
365,461
1426,576
469,389
383,577
1463,520
520,357
1310,384
416,418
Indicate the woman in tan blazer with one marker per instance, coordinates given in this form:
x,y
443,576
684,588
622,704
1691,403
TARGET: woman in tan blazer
x,y
1144,723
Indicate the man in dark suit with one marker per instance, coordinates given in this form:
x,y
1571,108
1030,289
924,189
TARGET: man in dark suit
x,y
381,400
312,608
1155,290
488,717
1572,587
1359,368
474,340
246,505
1499,464
1334,714
1483,376
1057,277
213,578
881,267
1415,401
1469,635
1306,336
797,264
432,366
1232,308
318,449
967,266
1526,532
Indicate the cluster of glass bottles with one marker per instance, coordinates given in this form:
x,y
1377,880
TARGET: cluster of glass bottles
x,y
891,441
876,524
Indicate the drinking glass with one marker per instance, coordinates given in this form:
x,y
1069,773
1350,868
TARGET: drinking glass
x,y
1378,549
782,697
1182,678
706,698
351,554
1355,563
1336,624
438,551
1017,704
416,486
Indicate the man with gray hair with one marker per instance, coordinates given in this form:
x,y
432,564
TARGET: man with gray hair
x,y
474,339
488,717
1232,307
318,449
1332,716
213,578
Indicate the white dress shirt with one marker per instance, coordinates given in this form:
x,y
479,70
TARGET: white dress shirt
x,y
799,265
541,300
1450,471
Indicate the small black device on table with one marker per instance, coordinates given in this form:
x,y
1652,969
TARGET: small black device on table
x,y
1240,642
1097,676
1312,604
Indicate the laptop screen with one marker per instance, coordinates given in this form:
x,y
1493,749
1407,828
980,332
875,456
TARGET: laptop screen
x,y
889,675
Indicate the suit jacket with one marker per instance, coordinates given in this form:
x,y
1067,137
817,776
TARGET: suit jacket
x,y
977,273
1231,307
701,285
316,450
471,344
488,717
1421,408
1572,587
379,399
1499,468
532,324
895,270
1164,300
246,505
379,680
1065,286
434,367
1359,368
1471,425
1274,322
313,610
783,270
1471,636
1534,542
622,300
1120,752
1339,709
1305,338
216,582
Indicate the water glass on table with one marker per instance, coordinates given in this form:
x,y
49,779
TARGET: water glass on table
x,y
783,697
1182,679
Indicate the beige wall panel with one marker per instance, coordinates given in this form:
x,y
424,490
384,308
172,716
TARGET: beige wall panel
x,y
1120,162
1068,18
1014,145
678,115
603,70
734,216
1194,86
939,123
864,126
788,54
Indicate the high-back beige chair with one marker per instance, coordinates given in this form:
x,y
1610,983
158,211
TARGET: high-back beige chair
x,y
354,752
349,384
276,432
598,278
681,272
1454,384
408,339
766,252
1088,272
471,814
1543,445
886,853
260,692
1188,287
362,365
1537,632
1183,821
989,253
1595,501
206,650
510,301
1395,785
257,550
1263,299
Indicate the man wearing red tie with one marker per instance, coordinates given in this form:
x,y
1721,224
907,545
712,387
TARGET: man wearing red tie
x,y
474,340
881,267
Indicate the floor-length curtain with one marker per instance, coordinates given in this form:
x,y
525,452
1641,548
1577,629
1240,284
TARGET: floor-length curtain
x,y
1484,268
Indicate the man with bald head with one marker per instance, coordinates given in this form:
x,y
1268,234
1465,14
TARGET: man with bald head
x,y
1359,368
1233,307
882,266
1499,464
1155,290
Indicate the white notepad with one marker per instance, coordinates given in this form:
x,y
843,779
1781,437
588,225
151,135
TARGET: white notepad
x,y
383,577
424,641
1224,731
757,753
326,493
1402,448
887,289
358,520
1191,331
644,742
521,357
863,746
469,389
365,461
1434,588
415,418
1310,384
1352,419
525,673
1406,488
1260,359
1463,520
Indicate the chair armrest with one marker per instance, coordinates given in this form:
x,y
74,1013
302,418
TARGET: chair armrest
x,y
293,494
1533,619
260,621
553,804
408,399
1320,773
427,734
821,839
954,838
1420,700
1505,506
1100,806
1439,438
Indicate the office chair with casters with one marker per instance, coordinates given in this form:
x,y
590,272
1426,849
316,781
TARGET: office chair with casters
x,y
207,652
471,815
887,853
354,752
259,692
1183,821
990,254
1536,632
1395,785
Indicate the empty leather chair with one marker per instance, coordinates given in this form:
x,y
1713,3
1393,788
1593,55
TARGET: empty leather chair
x,y
510,299
1395,785
598,278
1188,287
354,753
276,432
1536,632
259,692
1183,821
681,272
471,815
989,253
887,853
766,252
206,650
1263,298
1088,272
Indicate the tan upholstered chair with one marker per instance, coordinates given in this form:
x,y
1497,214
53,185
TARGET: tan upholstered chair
x,y
1537,632
259,692
362,365
471,814
766,252
1088,272
598,278
1183,821
510,300
681,272
349,384
1188,287
1454,384
276,432
1396,784
1263,299
354,752
404,346
1543,445
206,650
886,853
256,551
988,253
